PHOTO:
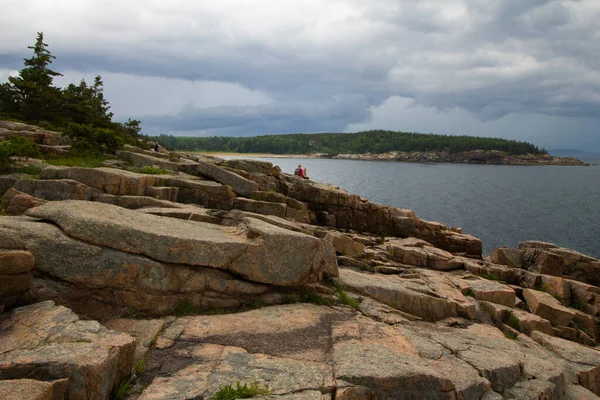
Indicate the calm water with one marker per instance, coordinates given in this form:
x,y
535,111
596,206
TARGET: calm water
x,y
501,205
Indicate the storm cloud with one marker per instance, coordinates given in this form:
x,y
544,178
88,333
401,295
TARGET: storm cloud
x,y
521,69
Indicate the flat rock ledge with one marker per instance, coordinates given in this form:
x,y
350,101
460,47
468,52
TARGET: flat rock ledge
x,y
303,351
60,355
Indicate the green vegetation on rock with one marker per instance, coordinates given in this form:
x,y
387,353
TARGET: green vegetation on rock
x,y
79,111
375,141
228,392
16,146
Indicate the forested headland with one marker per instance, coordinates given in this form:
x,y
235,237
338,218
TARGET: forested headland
x,y
375,141
80,111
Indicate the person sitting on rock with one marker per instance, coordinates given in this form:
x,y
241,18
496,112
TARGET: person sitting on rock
x,y
156,146
301,172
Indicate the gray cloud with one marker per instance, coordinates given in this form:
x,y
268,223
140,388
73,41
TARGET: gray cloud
x,y
323,65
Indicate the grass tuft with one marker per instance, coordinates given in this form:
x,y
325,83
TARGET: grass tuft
x,y
121,391
513,321
153,170
92,161
490,277
140,366
470,292
316,299
184,308
345,299
228,392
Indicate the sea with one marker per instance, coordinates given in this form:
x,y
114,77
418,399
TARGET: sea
x,y
502,205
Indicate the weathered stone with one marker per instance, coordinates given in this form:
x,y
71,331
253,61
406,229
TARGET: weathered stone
x,y
491,291
253,166
98,281
411,296
536,244
136,202
426,256
584,360
547,307
517,319
384,364
506,256
16,203
163,192
7,181
15,262
344,245
239,184
145,160
186,242
145,332
12,284
30,389
260,207
44,341
59,189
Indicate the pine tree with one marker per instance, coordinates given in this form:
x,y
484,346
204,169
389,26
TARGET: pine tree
x,y
34,95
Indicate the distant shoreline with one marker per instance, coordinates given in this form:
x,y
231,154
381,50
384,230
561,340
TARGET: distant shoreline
x,y
473,157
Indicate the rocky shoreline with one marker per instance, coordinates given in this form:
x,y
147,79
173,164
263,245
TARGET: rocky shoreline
x,y
493,157
119,284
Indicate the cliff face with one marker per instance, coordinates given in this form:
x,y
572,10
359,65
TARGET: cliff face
x,y
332,296
471,157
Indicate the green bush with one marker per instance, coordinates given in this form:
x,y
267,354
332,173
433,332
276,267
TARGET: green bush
x,y
17,146
247,391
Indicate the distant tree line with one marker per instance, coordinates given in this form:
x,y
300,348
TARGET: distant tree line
x,y
80,111
375,141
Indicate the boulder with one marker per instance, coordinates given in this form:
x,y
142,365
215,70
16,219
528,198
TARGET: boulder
x,y
547,307
254,250
99,281
48,342
15,202
30,389
260,207
145,332
59,189
239,184
583,360
345,245
426,256
424,297
506,256
492,291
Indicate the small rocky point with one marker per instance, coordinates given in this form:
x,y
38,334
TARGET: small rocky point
x,y
117,284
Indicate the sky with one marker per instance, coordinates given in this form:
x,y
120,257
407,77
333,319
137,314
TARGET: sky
x,y
519,69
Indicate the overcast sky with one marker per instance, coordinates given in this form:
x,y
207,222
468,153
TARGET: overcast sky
x,y
523,69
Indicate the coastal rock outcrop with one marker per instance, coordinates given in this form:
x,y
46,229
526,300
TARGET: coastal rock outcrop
x,y
289,284
46,342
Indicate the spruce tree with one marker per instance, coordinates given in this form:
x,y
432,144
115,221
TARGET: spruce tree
x,y
35,97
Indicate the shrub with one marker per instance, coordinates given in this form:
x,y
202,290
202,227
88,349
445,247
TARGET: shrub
x,y
154,170
247,391
347,300
121,391
17,146
185,307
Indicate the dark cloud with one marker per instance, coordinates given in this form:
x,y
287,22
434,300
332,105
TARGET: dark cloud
x,y
490,58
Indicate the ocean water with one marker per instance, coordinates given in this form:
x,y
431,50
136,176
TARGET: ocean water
x,y
502,205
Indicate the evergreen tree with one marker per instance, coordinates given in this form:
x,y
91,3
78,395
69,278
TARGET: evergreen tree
x,y
33,94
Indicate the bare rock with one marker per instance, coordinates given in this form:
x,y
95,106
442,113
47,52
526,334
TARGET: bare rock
x,y
239,184
547,307
195,243
30,389
145,332
44,341
15,202
345,245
